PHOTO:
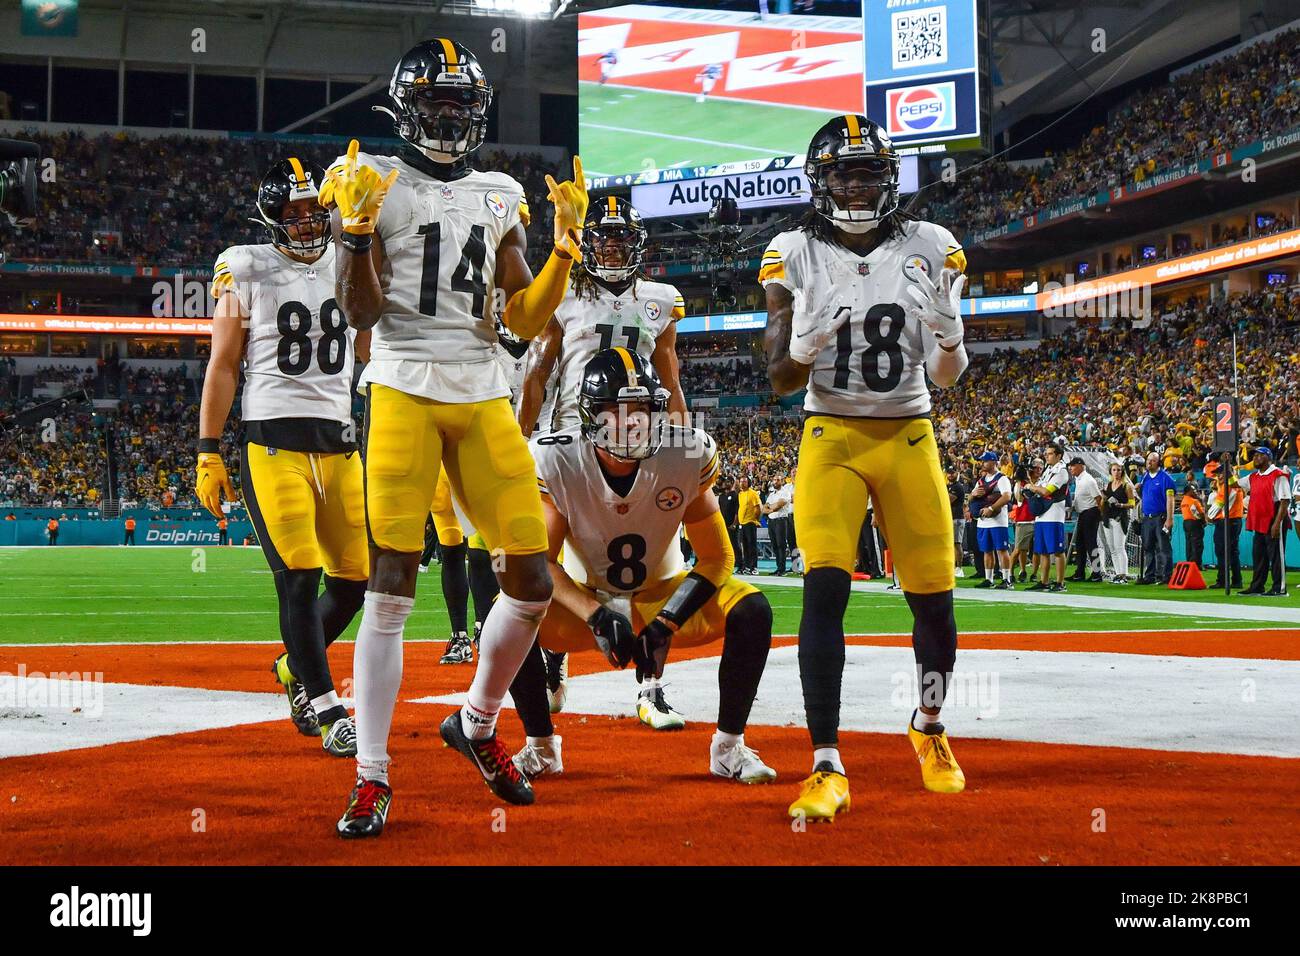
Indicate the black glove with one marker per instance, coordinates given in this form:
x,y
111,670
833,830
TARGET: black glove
x,y
614,635
652,650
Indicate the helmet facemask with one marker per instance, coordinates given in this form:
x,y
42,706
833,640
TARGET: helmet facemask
x,y
613,252
630,428
856,193
300,226
445,121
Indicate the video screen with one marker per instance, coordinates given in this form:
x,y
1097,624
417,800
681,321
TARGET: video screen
x,y
692,86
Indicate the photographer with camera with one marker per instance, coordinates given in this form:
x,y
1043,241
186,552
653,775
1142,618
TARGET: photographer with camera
x,y
18,182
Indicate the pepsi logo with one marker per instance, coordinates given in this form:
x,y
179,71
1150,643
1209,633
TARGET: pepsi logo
x,y
921,109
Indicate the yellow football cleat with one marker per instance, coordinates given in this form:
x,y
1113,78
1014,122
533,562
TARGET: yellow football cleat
x,y
939,769
823,795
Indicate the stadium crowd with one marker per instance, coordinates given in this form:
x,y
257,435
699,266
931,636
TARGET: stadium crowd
x,y
1225,104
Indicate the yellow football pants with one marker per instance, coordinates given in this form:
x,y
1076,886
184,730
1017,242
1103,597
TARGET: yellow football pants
x,y
409,439
308,509
895,462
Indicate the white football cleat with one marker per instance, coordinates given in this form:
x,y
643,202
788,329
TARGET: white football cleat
x,y
653,710
540,755
738,762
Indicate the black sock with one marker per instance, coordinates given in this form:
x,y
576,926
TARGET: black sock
x,y
528,691
744,655
821,651
338,604
934,642
455,585
301,629
482,583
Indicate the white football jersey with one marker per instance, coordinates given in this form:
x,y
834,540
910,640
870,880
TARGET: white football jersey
x,y
623,545
876,369
633,320
299,354
437,337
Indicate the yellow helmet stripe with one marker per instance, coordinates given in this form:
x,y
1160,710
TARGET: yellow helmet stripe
x,y
298,173
449,54
611,205
855,130
626,356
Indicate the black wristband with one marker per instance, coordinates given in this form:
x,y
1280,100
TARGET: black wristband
x,y
356,242
209,446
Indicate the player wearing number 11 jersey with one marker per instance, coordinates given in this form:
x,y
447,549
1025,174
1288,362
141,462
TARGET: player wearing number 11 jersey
x,y
863,304
300,468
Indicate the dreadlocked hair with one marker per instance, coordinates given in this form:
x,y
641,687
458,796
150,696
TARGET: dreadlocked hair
x,y
587,288
818,226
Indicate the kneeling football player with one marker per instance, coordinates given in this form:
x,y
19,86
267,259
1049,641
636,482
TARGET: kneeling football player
x,y
615,491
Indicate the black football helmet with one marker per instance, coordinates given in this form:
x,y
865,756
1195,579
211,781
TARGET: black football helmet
x,y
288,181
441,98
614,382
613,239
852,142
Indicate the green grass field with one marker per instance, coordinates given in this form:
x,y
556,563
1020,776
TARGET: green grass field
x,y
628,130
75,595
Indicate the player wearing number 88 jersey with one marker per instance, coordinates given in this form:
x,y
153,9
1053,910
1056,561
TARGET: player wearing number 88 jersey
x,y
300,468
615,491
863,304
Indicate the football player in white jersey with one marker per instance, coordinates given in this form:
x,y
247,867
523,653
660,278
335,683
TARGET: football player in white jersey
x,y
300,469
864,303
610,302
429,252
615,491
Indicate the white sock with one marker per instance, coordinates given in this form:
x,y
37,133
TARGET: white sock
x,y
377,676
829,755
325,701
723,741
923,722
508,635
1006,574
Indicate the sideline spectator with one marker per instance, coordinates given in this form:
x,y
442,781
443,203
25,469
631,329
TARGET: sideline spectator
x,y
1118,501
1087,508
1049,527
1157,522
1267,518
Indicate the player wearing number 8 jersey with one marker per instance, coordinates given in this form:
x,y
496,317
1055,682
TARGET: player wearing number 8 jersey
x,y
430,252
615,491
863,304
300,470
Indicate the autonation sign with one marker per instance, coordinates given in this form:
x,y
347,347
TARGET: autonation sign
x,y
684,198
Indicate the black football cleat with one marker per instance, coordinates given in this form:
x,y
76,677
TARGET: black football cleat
x,y
492,761
367,810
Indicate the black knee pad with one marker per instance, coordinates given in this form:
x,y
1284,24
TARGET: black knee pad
x,y
299,588
751,618
348,595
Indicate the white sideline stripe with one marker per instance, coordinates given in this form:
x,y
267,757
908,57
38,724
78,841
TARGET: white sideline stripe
x,y
1062,697
1268,614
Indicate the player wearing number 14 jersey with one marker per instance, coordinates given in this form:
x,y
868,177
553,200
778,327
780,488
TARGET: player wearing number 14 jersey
x,y
430,251
863,304
300,468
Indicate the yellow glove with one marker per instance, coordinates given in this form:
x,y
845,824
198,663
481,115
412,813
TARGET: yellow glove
x,y
570,201
212,481
357,191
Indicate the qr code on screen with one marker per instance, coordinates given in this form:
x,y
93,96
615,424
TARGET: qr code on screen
x,y
920,38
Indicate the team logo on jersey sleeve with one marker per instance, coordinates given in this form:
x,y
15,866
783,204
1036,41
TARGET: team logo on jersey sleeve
x,y
915,266
652,311
669,498
496,204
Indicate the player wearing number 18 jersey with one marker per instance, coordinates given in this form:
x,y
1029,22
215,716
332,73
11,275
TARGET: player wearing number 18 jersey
x,y
864,303
300,470
615,491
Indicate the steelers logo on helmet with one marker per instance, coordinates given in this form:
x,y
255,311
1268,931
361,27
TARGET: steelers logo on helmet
x,y
852,169
287,206
441,98
613,239
622,404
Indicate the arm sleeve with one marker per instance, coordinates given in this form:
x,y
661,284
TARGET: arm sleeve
x,y
531,307
711,544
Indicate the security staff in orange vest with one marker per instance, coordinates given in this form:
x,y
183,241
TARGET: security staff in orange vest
x,y
222,525
1193,509
130,532
1220,515
52,530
